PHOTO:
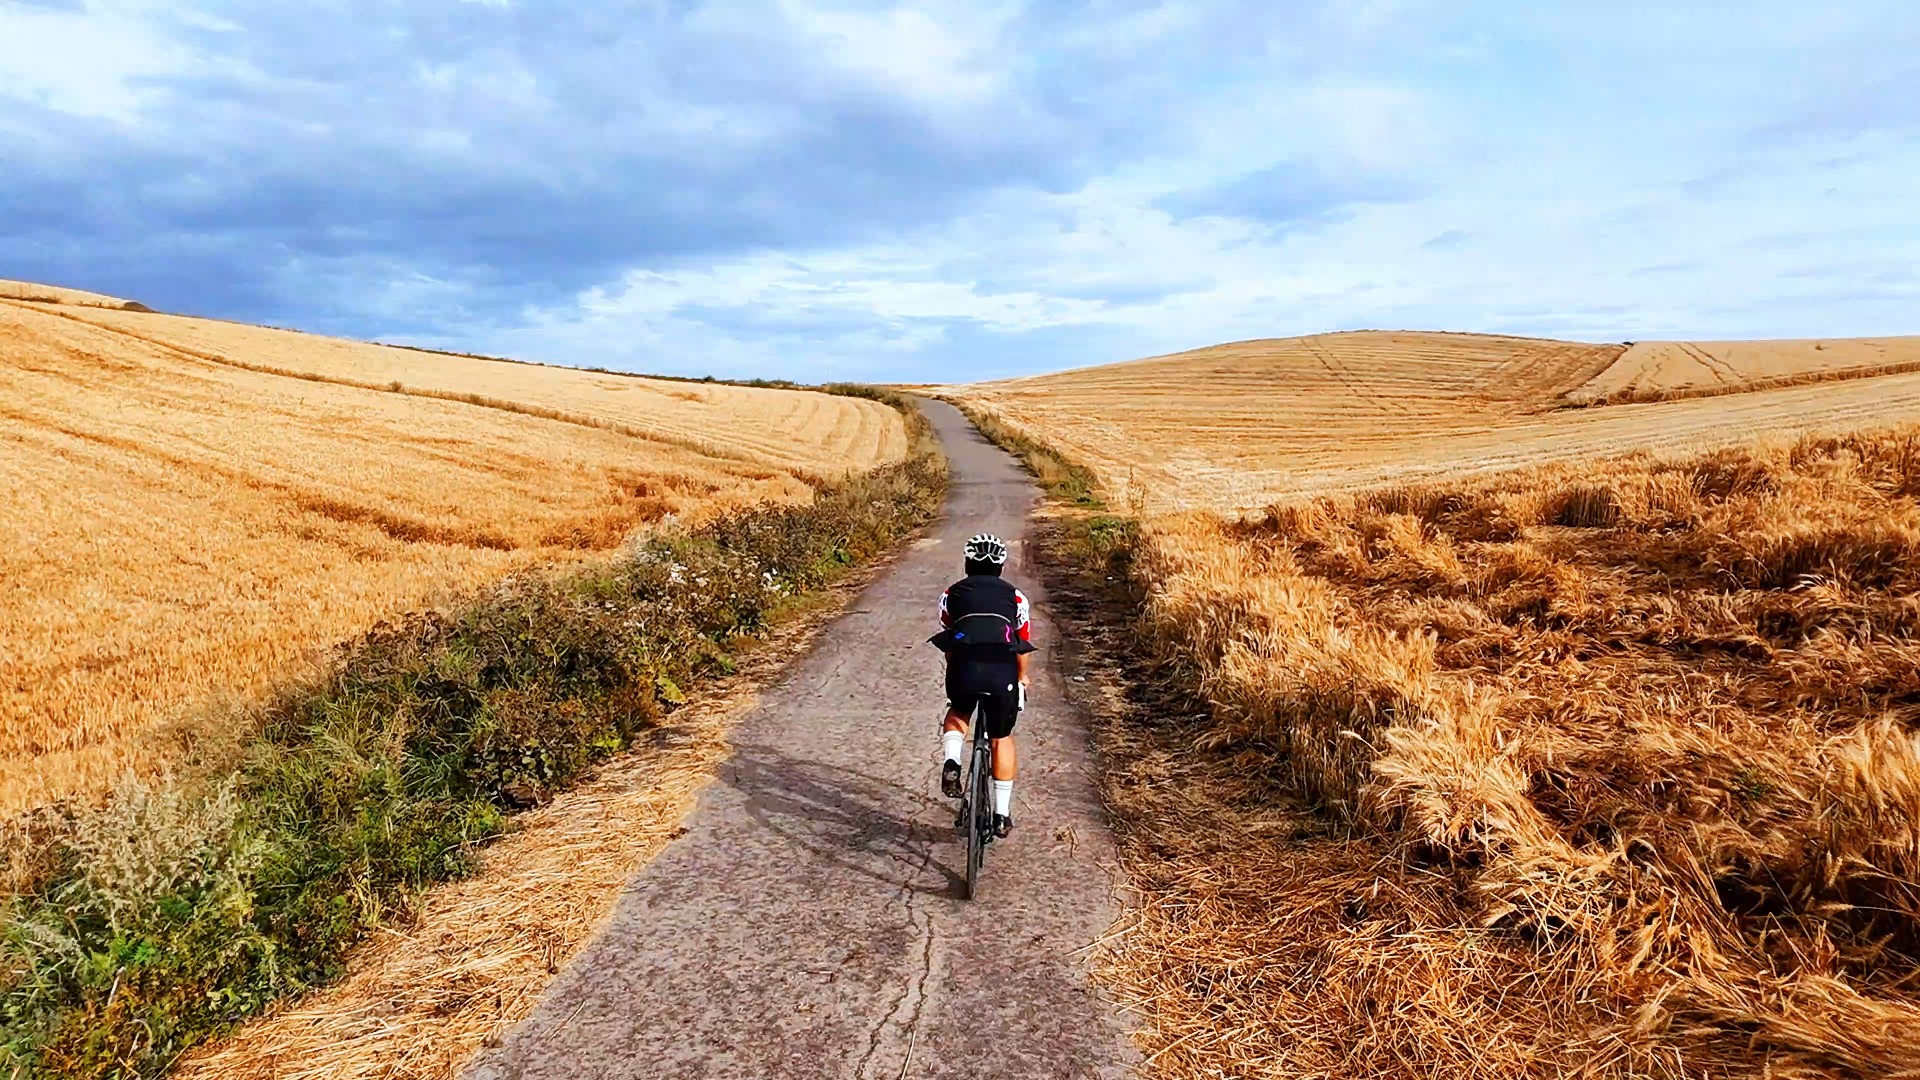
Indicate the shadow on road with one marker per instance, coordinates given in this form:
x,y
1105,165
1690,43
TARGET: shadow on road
x,y
846,817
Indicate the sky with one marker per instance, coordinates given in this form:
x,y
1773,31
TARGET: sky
x,y
944,191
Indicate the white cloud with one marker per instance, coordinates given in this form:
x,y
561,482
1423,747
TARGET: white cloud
x,y
93,62
888,284
939,55
1623,257
1377,125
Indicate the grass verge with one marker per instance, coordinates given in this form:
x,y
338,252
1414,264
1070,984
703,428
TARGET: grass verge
x,y
165,915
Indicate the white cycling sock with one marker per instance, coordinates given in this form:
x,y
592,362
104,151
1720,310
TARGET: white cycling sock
x,y
1003,798
951,743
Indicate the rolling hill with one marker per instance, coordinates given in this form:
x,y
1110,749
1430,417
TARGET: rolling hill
x,y
197,509
1233,427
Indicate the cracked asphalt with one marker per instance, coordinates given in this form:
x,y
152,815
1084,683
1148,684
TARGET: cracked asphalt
x,y
808,923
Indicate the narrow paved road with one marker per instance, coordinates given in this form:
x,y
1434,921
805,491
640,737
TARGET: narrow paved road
x,y
807,925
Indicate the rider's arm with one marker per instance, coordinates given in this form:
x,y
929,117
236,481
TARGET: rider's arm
x,y
1022,624
1024,629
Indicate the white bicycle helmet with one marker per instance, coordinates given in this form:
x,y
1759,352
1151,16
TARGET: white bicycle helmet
x,y
987,548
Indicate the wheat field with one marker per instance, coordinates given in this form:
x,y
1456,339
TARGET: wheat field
x,y
807,433
1233,427
1543,736
1627,751
185,527
54,294
1671,370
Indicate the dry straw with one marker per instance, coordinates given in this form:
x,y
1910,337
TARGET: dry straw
x,y
1613,770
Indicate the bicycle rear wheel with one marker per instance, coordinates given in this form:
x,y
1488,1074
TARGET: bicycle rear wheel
x,y
979,817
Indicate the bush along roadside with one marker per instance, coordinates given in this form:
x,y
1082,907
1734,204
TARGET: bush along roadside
x,y
170,913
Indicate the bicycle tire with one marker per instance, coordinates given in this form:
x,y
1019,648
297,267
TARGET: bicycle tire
x,y
979,819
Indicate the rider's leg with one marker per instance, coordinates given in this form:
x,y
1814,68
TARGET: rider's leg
x,y
953,734
953,743
1005,762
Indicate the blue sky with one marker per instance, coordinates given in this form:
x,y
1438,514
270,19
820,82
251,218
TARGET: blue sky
x,y
951,191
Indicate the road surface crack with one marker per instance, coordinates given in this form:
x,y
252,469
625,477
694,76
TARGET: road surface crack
x,y
919,995
903,1017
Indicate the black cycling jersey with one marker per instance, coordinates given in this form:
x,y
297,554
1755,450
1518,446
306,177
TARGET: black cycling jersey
x,y
984,618
987,625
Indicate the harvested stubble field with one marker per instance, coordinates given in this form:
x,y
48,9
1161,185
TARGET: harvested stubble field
x,y
54,294
801,433
1234,427
1603,767
186,526
1672,370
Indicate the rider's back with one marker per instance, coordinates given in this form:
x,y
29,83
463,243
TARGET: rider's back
x,y
986,620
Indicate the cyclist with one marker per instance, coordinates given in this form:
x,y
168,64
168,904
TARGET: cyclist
x,y
987,634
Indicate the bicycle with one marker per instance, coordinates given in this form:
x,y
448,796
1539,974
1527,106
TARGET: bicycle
x,y
976,807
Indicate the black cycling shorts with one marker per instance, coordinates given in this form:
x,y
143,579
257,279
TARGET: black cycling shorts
x,y
992,690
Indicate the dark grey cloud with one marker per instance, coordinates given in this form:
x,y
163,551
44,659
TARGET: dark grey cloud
x,y
528,150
